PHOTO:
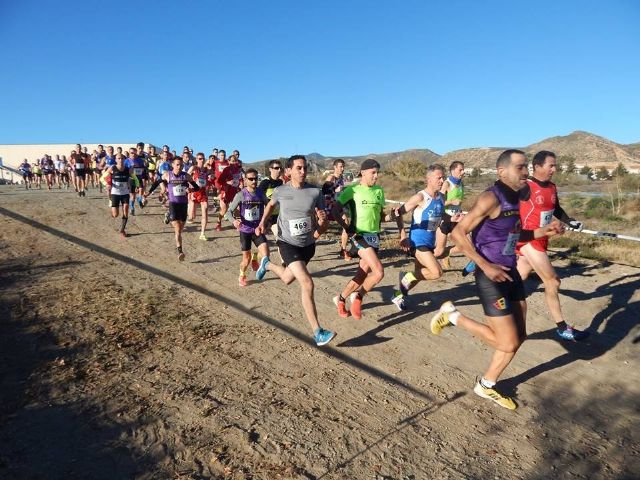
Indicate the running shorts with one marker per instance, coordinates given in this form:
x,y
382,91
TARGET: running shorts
x,y
117,200
81,174
362,241
291,253
447,226
497,298
420,248
200,196
539,244
177,212
247,238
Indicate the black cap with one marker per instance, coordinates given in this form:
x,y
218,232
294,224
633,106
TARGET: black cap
x,y
369,163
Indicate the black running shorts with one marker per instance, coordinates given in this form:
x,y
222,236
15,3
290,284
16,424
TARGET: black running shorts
x,y
497,298
177,212
117,200
247,238
291,253
359,242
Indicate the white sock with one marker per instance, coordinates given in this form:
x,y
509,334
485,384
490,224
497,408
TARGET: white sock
x,y
487,383
453,317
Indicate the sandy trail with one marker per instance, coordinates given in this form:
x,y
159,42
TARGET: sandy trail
x,y
120,362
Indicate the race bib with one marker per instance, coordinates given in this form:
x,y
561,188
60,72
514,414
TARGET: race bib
x,y
252,214
202,182
433,223
452,210
546,217
510,247
79,166
300,226
372,239
179,190
119,188
138,171
221,167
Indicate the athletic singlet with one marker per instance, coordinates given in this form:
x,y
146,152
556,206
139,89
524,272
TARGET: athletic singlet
x,y
455,192
495,239
200,177
425,221
25,168
538,210
110,161
164,167
120,181
80,161
268,185
153,161
365,205
251,209
177,187
138,167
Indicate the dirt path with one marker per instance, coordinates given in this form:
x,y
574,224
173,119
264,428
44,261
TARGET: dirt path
x,y
120,362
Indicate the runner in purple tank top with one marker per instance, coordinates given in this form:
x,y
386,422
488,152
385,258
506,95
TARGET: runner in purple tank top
x,y
251,201
179,184
494,222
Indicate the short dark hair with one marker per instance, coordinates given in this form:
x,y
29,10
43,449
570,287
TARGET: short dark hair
x,y
100,145
540,157
222,151
504,160
273,163
250,170
436,166
293,158
455,165
200,154
338,161
140,144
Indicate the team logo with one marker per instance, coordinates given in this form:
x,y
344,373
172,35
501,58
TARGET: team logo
x,y
500,304
539,199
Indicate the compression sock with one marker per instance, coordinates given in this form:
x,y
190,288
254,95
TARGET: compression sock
x,y
123,223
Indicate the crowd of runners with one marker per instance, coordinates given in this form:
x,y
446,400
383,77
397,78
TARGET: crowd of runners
x,y
504,234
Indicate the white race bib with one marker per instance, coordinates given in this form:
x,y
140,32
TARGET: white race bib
x,y
510,247
79,166
546,217
221,167
202,182
300,226
138,171
119,188
252,214
179,190
372,239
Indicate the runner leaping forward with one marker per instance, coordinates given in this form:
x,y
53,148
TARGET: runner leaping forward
x,y
495,223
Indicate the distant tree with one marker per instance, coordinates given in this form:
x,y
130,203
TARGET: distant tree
x,y
620,171
602,173
410,168
586,170
475,172
567,164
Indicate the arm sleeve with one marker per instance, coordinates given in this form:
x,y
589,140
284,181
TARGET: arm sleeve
x,y
345,195
526,235
560,214
233,205
155,184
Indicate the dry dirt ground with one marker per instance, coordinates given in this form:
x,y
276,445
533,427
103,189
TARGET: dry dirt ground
x,y
119,362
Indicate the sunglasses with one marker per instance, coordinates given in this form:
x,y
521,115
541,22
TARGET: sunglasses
x,y
251,179
275,168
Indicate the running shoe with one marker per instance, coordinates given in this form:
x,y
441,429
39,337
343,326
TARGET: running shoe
x,y
218,227
181,256
441,319
242,280
398,301
446,262
346,256
491,394
342,306
167,217
203,237
132,210
123,235
572,334
356,307
139,198
190,221
262,268
255,265
322,336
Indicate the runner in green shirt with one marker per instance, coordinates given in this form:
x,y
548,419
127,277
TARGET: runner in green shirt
x,y
365,203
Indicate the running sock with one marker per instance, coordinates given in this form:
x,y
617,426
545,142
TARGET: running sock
x,y
407,279
562,326
453,317
243,272
179,249
487,383
123,223
341,298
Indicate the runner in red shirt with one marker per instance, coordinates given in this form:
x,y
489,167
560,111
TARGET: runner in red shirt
x,y
538,206
204,178
228,184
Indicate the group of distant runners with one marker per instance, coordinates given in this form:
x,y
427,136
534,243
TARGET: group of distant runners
x,y
504,234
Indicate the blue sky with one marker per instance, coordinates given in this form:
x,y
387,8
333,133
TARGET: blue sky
x,y
273,78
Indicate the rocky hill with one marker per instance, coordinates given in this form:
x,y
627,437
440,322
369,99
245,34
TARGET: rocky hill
x,y
585,147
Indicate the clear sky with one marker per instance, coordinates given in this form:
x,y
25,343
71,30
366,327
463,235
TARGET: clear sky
x,y
273,78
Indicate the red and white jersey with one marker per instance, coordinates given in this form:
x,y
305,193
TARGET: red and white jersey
x,y
537,210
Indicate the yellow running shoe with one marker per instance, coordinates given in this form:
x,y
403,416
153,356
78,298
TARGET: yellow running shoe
x,y
494,396
441,319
